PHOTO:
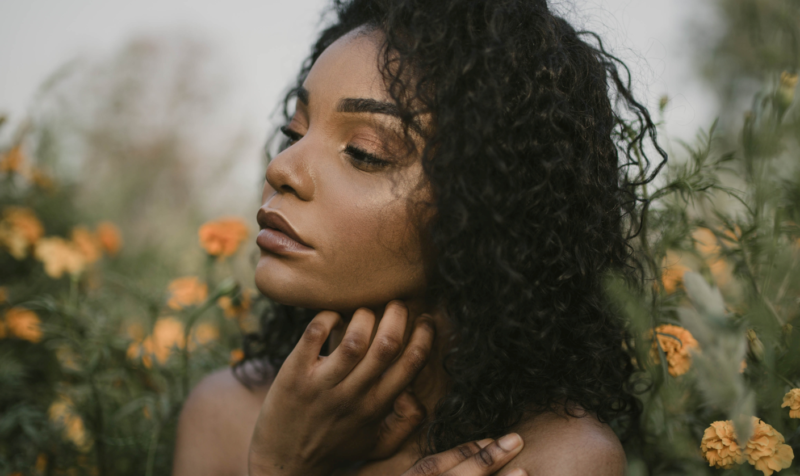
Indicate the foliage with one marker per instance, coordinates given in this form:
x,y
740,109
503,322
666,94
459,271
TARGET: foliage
x,y
95,362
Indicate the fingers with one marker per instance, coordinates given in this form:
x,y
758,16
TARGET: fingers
x,y
406,415
310,345
386,345
490,459
351,349
413,359
457,461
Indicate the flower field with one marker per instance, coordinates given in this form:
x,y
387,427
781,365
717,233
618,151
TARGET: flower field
x,y
104,329
95,363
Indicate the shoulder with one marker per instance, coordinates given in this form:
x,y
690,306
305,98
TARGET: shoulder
x,y
561,445
216,425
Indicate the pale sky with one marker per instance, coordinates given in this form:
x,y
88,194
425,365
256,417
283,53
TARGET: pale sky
x,y
264,41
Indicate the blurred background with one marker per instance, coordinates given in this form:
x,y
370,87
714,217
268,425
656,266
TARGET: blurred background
x,y
217,70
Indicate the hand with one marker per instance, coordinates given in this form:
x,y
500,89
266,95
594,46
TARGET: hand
x,y
478,458
324,412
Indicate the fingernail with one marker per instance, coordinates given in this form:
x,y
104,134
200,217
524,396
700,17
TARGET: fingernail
x,y
485,443
517,472
427,320
509,442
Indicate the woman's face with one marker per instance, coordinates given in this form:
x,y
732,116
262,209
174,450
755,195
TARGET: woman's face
x,y
346,186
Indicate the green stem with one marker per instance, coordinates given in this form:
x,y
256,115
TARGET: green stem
x,y
151,450
752,276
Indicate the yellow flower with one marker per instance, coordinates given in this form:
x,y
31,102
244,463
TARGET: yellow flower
x,y
792,400
676,342
86,243
766,449
237,355
62,412
719,445
59,256
23,324
222,237
238,305
19,230
110,238
185,292
672,272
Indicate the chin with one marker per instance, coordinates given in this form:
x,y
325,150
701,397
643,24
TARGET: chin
x,y
285,285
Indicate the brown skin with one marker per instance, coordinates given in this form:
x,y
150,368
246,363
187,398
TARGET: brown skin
x,y
359,220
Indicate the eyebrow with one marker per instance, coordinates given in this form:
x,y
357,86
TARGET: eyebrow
x,y
372,106
360,106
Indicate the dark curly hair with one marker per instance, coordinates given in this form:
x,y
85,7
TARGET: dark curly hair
x,y
527,158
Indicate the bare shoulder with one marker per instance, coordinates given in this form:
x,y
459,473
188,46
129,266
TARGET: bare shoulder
x,y
216,425
561,445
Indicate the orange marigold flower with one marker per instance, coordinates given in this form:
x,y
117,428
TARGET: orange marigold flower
x,y
185,292
792,400
237,355
167,335
707,244
19,230
59,256
62,412
203,334
238,305
676,342
672,272
110,238
766,449
86,243
13,160
222,237
23,323
719,445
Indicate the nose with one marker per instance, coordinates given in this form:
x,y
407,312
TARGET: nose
x,y
289,173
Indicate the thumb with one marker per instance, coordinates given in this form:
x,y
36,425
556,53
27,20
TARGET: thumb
x,y
406,415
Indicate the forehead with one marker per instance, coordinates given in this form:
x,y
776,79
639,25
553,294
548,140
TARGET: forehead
x,y
348,68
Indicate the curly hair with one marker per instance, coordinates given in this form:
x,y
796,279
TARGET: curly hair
x,y
526,158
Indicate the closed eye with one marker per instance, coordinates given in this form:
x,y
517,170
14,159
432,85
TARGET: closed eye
x,y
291,135
364,158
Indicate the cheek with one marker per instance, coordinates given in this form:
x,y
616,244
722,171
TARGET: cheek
x,y
374,252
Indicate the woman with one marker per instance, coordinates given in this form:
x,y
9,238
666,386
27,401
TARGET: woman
x,y
447,202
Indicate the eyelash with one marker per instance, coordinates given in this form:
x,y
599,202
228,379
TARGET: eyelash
x,y
359,155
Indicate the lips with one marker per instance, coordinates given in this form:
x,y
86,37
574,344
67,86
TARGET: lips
x,y
277,235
